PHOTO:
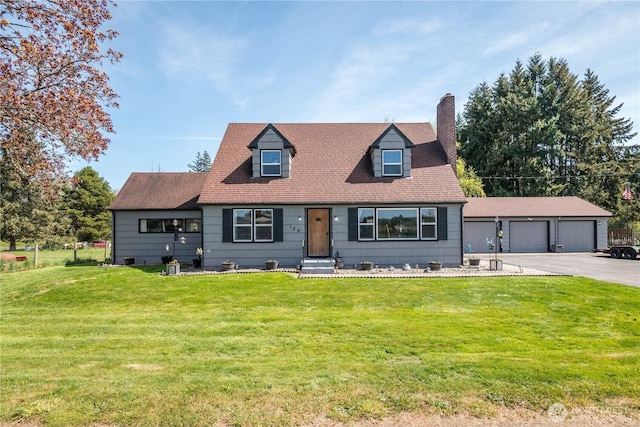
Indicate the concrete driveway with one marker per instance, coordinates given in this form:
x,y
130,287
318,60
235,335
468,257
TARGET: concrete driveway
x,y
594,265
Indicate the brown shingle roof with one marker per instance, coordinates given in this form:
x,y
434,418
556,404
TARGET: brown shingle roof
x,y
571,206
160,190
331,166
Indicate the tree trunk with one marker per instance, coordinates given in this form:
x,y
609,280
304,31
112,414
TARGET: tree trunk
x,y
35,253
13,244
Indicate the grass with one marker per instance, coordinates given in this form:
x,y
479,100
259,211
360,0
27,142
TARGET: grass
x,y
51,258
126,346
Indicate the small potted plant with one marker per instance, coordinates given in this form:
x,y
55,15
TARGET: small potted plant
x,y
173,267
473,260
228,265
366,265
435,265
197,262
271,264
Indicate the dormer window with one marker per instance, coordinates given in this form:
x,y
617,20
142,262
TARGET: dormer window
x,y
391,154
391,162
271,154
270,163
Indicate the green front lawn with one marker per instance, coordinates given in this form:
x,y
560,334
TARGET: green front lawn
x,y
126,346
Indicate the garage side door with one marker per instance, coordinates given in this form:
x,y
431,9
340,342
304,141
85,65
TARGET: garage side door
x,y
476,234
576,236
529,236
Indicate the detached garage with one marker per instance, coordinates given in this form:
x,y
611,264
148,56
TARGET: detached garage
x,y
535,224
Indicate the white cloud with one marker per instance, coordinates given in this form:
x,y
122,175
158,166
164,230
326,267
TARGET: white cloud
x,y
408,26
194,53
510,42
367,72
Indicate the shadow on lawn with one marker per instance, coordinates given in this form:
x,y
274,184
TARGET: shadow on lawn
x,y
90,262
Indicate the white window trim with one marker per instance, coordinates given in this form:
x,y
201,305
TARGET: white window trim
x,y
236,225
373,225
252,226
396,239
262,163
256,225
419,224
435,224
393,163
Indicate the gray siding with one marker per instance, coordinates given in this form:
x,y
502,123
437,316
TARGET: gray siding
x,y
289,252
391,141
148,248
271,141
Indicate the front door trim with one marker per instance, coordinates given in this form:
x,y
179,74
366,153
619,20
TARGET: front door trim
x,y
318,232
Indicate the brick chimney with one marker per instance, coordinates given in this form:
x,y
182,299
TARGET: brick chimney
x,y
446,128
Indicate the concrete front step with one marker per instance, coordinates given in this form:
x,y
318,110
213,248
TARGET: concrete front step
x,y
317,266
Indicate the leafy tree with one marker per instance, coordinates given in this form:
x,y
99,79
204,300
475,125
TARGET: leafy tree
x,y
202,163
540,131
53,93
87,202
469,181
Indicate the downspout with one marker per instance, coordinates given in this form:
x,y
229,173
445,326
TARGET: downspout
x,y
113,237
202,237
461,234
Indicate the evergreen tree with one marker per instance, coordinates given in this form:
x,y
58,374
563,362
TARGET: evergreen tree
x,y
540,131
202,163
87,202
29,203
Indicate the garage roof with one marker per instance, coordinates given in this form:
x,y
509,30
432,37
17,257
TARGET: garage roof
x,y
570,206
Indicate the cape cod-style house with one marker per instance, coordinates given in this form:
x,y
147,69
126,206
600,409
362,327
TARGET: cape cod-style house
x,y
296,192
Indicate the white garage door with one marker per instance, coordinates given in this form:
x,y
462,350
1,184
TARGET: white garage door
x,y
576,236
476,234
529,236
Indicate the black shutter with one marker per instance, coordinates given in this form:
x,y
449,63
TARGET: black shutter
x,y
277,225
227,225
352,220
442,223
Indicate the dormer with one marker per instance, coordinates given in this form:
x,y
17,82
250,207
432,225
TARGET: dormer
x,y
272,154
391,154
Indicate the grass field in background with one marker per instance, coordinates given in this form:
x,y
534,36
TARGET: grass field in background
x,y
52,257
126,346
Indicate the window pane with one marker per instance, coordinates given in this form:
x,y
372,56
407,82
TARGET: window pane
x,y
271,170
429,219
154,226
428,231
264,216
392,162
271,157
392,156
242,216
428,215
397,223
242,233
193,225
392,170
264,233
366,224
271,162
365,216
366,232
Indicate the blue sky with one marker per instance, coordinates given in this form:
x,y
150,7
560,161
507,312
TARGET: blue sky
x,y
190,68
